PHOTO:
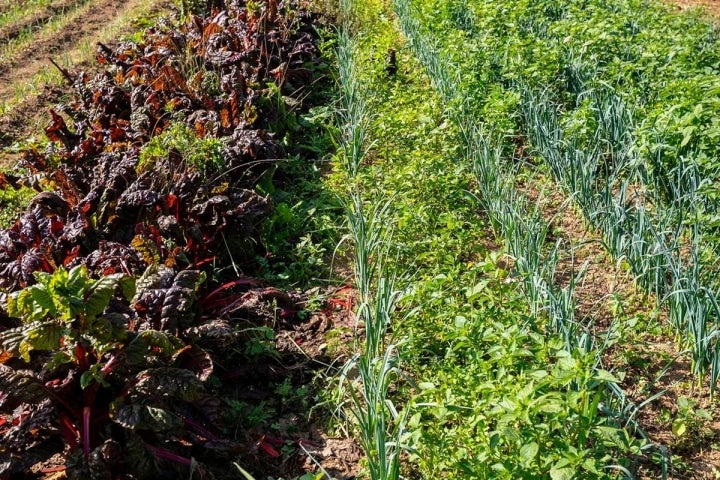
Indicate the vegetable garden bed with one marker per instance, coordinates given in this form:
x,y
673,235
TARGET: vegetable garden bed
x,y
137,332
530,198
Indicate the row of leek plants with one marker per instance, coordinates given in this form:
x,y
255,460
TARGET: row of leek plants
x,y
367,376
515,220
655,230
520,224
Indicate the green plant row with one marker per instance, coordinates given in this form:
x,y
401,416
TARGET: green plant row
x,y
366,378
491,395
640,174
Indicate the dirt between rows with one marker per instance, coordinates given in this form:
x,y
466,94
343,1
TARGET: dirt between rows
x,y
13,30
32,58
711,6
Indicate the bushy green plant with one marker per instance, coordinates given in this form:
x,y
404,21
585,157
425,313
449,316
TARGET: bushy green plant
x,y
201,154
63,313
83,359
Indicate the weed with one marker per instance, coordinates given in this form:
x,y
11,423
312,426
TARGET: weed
x,y
201,154
13,203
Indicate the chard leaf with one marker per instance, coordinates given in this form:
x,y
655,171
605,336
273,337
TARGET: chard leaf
x,y
195,359
44,335
11,339
145,417
178,305
145,464
151,342
127,286
147,249
100,294
18,387
94,373
43,303
528,452
169,384
77,278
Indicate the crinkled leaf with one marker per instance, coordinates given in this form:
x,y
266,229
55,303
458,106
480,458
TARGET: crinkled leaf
x,y
149,279
169,383
101,458
151,342
147,249
33,336
44,278
42,302
213,408
77,278
28,432
43,336
145,417
189,279
17,387
196,360
11,339
215,334
563,473
178,305
177,309
528,452
144,463
32,303
14,303
100,294
58,359
127,287
103,332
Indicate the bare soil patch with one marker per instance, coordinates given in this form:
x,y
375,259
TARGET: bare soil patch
x,y
711,6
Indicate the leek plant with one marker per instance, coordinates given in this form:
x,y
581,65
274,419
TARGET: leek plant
x,y
354,114
648,227
366,378
443,74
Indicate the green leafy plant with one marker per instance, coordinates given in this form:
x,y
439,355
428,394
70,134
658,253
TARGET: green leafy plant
x,y
84,360
690,424
202,154
65,313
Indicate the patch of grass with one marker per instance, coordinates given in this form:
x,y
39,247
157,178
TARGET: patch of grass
x,y
13,203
